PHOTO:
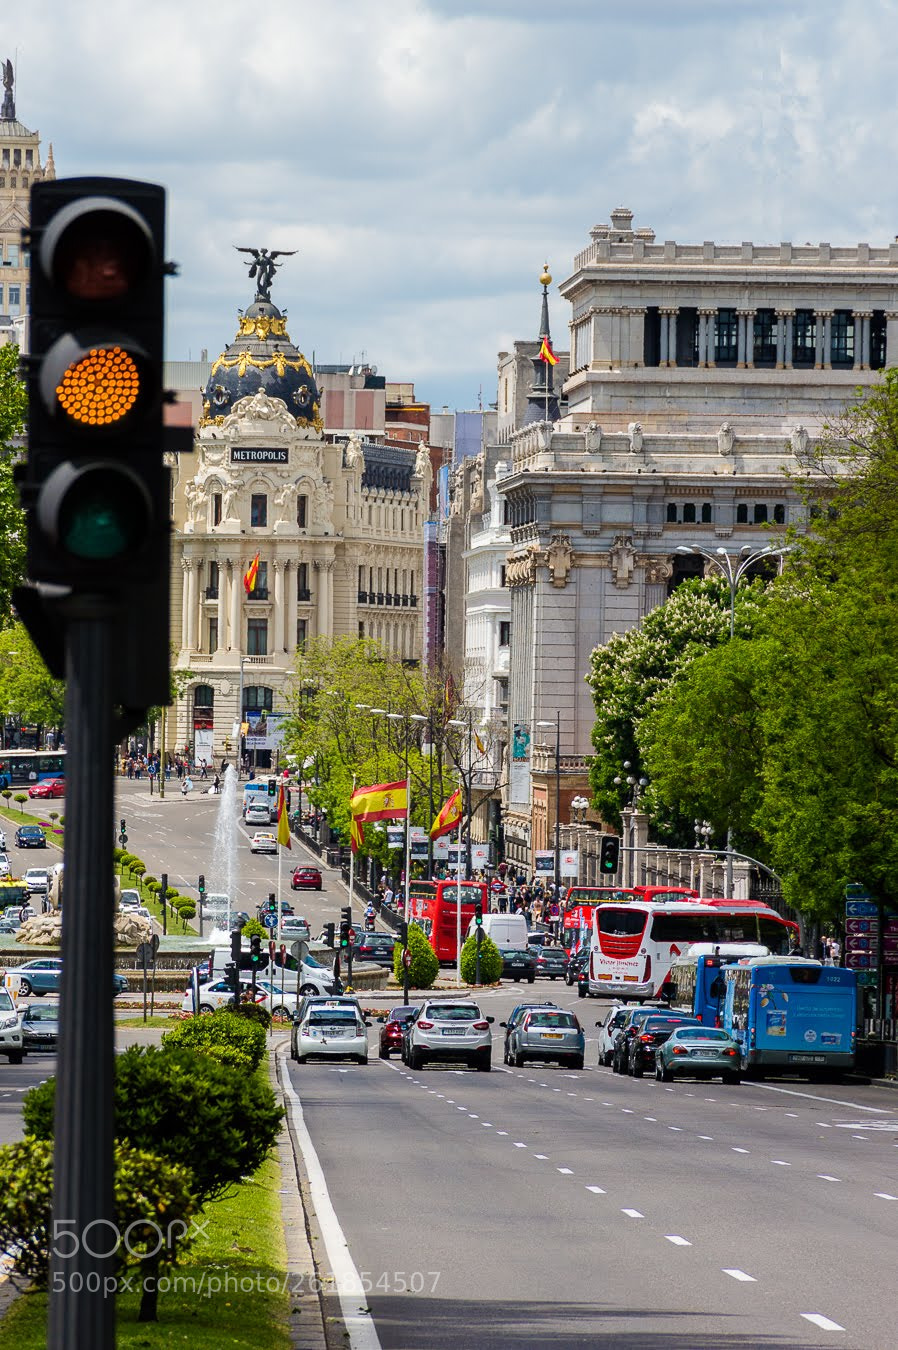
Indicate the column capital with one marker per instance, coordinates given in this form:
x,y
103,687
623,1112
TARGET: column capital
x,y
709,313
785,313
745,313
863,313
824,313
668,309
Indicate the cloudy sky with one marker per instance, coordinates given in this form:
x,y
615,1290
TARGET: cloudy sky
x,y
425,156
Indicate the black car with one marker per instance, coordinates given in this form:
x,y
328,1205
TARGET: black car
x,y
551,961
30,836
576,962
374,947
518,964
620,1054
648,1035
40,1027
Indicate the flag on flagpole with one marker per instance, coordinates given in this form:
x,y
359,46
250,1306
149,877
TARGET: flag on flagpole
x,y
249,576
481,748
283,821
546,354
356,834
380,801
449,816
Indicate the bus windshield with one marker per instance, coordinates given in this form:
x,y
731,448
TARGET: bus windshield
x,y
719,927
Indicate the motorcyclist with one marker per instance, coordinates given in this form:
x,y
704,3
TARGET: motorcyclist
x,y
369,918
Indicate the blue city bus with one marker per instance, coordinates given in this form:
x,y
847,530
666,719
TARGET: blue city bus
x,y
23,767
696,984
791,1015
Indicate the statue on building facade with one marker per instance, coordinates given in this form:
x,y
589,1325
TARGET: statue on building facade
x,y
634,431
593,438
725,439
798,440
622,557
559,559
263,268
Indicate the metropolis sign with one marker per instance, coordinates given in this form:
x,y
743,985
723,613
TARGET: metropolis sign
x,y
272,456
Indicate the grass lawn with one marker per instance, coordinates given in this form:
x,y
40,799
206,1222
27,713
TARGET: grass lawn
x,y
230,1291
156,1020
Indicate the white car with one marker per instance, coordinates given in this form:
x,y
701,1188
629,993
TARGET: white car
x,y
257,815
218,994
5,865
263,842
129,900
2,842
37,879
295,927
608,1029
450,1030
337,1032
10,1029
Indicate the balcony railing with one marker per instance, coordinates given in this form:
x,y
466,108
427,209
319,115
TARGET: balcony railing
x,y
260,593
211,592
391,598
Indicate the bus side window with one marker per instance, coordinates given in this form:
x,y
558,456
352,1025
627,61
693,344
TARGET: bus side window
x,y
718,988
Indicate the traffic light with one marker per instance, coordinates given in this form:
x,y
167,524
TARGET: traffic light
x,y
478,914
345,925
329,934
272,787
94,486
255,951
201,885
235,945
403,933
610,855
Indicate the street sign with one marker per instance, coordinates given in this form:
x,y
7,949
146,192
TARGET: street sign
x,y
569,860
154,944
859,960
351,936
123,839
269,920
861,909
406,958
861,926
856,891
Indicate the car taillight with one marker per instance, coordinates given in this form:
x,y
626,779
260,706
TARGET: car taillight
x,y
647,1040
481,1026
679,1050
425,1026
729,1052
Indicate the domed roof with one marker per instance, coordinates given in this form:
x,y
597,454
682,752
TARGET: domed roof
x,y
262,357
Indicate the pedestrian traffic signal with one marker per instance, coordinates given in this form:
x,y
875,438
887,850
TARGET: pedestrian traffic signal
x,y
235,945
610,854
94,486
201,884
255,951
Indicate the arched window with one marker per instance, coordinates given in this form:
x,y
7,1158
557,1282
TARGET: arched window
x,y
689,513
760,513
671,513
707,513
742,514
257,697
203,696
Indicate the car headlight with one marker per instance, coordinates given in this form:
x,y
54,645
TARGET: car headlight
x,y
8,1022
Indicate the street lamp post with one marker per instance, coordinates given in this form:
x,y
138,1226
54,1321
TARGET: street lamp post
x,y
732,575
557,725
420,718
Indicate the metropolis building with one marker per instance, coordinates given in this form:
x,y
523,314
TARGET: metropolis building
x,y
699,374
337,525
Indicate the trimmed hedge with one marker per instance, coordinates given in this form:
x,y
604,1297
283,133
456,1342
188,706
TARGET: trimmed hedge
x,y
223,1036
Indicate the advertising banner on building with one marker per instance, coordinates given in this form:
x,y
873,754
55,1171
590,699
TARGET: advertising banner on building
x,y
569,860
544,862
265,730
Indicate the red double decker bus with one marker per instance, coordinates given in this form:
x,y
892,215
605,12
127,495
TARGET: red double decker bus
x,y
433,906
580,903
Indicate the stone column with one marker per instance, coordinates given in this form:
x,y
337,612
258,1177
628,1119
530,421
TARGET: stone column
x,y
891,318
827,316
321,607
665,338
706,353
192,603
222,605
741,316
862,319
672,341
290,606
750,339
236,634
278,605
185,600
327,579
780,338
788,339
702,337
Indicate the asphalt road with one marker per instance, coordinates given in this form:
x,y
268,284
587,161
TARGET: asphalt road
x,y
541,1207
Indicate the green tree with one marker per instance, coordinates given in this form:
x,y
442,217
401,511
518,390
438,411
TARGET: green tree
x,y
490,960
425,965
632,671
13,403
26,686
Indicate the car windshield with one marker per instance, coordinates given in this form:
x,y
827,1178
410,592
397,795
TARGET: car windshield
x,y
660,1024
6,1003
342,1016
701,1034
453,1012
40,1014
553,1019
310,961
403,1014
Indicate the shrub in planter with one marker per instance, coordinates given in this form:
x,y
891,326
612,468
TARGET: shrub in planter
x,y
224,1036
425,965
21,798
253,1012
490,961
252,928
216,1121
6,794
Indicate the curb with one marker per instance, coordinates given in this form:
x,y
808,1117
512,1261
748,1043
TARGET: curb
x,y
306,1324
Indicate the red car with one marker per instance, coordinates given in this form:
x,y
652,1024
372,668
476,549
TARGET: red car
x,y
306,879
393,1029
48,787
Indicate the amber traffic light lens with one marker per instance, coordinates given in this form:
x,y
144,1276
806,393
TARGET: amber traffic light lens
x,y
102,255
101,388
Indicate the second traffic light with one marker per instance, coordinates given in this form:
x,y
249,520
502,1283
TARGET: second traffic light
x,y
345,925
610,854
255,951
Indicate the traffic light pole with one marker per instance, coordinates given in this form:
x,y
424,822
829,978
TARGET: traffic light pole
x,y
82,1302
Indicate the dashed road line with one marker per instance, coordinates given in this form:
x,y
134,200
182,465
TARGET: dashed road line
x,y
633,1213
824,1323
739,1275
677,1240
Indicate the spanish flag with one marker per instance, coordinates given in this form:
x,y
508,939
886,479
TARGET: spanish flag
x,y
249,576
356,834
481,748
283,821
381,801
546,354
449,816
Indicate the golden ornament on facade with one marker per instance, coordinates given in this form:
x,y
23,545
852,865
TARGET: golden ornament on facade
x,y
262,326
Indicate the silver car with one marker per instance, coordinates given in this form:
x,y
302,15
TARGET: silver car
x,y
450,1031
331,1033
546,1034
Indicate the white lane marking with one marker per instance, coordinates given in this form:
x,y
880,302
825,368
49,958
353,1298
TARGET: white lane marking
x,y
354,1301
814,1097
778,1162
709,1138
675,1237
653,1119
596,1190
677,1129
887,1126
824,1125
589,1099
632,1213
739,1150
862,1137
505,1132
792,1115
884,1195
473,1117
824,1176
519,1145
565,1171
625,1110
543,1157
824,1323
487,1125
740,1275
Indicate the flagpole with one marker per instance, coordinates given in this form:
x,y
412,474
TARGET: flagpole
x,y
351,845
458,905
280,860
408,839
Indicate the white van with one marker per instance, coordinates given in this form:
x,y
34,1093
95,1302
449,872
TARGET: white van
x,y
506,930
316,978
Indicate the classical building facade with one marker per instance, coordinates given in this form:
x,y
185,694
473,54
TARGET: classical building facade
x,y
20,169
336,526
698,375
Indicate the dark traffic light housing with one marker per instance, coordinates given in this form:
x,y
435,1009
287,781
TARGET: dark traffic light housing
x,y
272,787
610,854
201,885
345,925
255,951
478,913
235,945
94,486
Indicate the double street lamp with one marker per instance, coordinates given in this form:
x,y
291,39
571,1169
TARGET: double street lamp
x,y
732,573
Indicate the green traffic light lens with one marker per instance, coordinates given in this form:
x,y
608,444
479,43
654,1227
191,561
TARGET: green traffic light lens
x,y
95,529
95,512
